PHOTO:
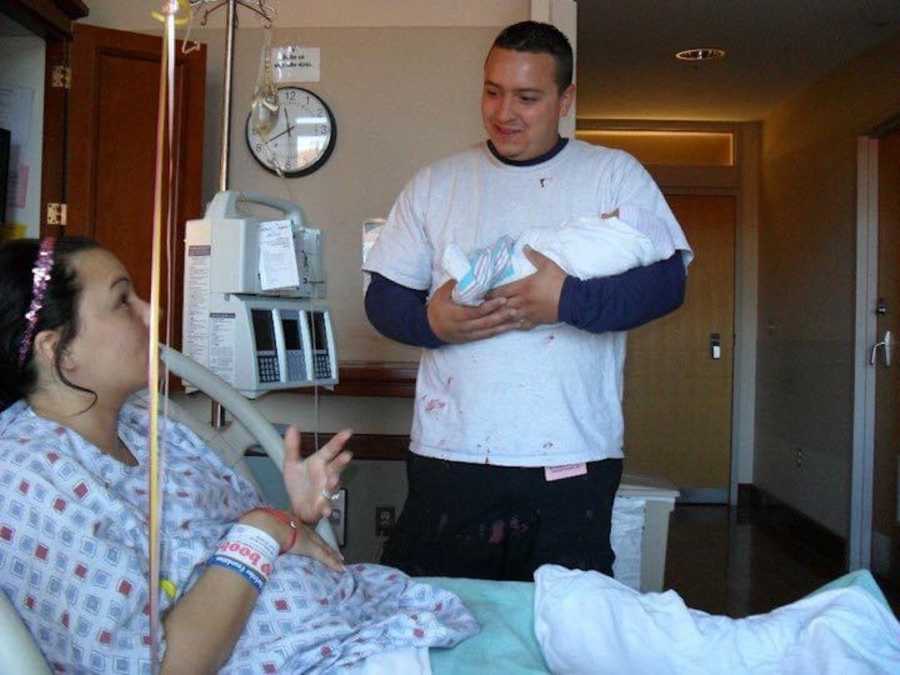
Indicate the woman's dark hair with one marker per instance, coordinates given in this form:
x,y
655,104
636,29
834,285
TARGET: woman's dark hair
x,y
59,311
540,38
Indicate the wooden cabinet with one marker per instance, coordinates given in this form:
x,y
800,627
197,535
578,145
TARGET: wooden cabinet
x,y
52,20
99,137
111,150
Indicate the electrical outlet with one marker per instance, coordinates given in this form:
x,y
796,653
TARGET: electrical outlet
x,y
385,516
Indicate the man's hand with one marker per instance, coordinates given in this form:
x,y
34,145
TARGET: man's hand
x,y
456,323
534,299
308,481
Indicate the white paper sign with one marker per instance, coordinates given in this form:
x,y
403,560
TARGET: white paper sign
x,y
292,63
277,257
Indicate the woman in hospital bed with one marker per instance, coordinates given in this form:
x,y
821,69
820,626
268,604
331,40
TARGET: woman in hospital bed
x,y
244,592
244,588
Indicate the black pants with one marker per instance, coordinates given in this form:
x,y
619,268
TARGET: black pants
x,y
495,522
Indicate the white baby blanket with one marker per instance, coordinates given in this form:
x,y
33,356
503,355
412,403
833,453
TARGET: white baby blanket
x,y
586,622
584,247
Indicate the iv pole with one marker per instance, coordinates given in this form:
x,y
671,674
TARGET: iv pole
x,y
230,21
207,8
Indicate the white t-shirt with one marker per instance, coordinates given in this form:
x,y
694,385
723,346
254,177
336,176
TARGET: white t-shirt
x,y
544,397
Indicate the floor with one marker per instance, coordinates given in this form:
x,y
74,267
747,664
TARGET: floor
x,y
734,562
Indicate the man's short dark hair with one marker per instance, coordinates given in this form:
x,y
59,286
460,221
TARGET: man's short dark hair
x,y
540,38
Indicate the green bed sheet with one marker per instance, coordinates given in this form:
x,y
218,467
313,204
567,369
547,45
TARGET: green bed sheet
x,y
506,643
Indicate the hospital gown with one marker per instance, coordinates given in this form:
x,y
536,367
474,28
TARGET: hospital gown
x,y
74,559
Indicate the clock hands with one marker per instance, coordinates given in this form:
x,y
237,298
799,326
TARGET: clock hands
x,y
286,131
288,122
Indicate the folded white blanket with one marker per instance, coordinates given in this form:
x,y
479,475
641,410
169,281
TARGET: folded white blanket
x,y
584,247
586,622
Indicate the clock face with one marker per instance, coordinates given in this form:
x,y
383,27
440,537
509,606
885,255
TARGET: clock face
x,y
301,140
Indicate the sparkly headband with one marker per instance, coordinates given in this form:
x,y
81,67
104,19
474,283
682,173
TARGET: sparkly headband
x,y
40,279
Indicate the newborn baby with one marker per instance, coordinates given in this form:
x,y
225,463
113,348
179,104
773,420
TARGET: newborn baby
x,y
585,247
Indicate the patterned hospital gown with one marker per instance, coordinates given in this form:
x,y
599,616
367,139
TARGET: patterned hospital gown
x,y
74,559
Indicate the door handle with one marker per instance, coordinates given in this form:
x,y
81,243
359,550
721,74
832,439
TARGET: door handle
x,y
715,346
887,343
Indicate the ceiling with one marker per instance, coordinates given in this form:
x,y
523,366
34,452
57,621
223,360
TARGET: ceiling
x,y
10,28
626,66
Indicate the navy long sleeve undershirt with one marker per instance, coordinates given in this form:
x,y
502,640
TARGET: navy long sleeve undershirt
x,y
598,305
623,301
398,312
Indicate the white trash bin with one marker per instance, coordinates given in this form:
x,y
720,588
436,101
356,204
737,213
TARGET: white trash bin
x,y
640,530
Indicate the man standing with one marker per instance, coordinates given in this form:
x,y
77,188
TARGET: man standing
x,y
516,446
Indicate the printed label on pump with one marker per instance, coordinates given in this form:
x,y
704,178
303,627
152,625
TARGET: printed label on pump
x,y
221,344
196,327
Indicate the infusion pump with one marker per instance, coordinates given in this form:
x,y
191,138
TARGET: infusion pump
x,y
261,343
253,312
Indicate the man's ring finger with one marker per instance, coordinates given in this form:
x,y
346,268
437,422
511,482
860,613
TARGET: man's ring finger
x,y
330,496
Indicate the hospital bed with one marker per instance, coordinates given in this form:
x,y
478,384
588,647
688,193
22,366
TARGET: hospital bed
x,y
505,610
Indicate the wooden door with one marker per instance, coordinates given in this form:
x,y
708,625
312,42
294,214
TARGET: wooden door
x,y
112,148
887,379
677,397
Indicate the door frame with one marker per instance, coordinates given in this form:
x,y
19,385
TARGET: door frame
x,y
743,180
742,327
859,539
861,536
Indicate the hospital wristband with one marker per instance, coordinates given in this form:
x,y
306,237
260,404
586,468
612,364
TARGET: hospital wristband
x,y
283,517
251,547
250,575
246,555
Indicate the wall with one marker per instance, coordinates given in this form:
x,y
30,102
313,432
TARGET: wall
x,y
415,100
22,65
807,281
403,79
136,14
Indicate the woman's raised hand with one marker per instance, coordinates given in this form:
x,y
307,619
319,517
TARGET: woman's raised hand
x,y
310,482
